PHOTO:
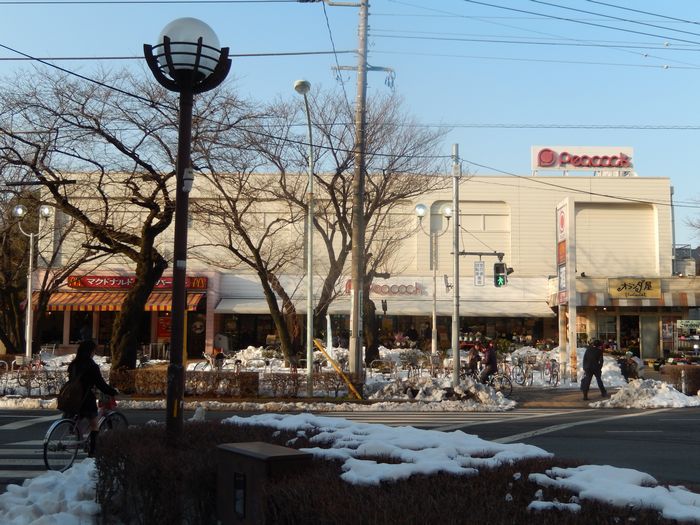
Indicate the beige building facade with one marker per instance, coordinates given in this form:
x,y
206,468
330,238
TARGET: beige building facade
x,y
619,234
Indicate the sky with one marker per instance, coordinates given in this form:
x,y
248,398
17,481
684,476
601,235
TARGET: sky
x,y
69,498
504,75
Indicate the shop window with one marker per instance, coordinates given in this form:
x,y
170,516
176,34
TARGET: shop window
x,y
607,329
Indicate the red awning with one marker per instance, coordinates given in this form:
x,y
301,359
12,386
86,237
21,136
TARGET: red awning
x,y
112,301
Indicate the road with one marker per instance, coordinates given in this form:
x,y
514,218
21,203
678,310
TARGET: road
x,y
662,442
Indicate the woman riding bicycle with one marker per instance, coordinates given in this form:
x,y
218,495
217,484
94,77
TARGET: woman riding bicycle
x,y
490,362
84,368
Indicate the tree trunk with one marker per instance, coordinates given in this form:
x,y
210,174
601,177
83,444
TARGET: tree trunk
x,y
125,332
286,320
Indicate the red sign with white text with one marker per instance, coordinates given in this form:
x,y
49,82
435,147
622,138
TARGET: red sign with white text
x,y
123,282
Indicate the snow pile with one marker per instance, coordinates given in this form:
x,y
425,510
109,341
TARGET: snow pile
x,y
647,393
438,390
54,498
416,451
623,487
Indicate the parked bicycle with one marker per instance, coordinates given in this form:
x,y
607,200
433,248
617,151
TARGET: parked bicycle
x,y
498,380
218,362
69,436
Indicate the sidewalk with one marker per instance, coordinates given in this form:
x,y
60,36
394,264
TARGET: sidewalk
x,y
567,397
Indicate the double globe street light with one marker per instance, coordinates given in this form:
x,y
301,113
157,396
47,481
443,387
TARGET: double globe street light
x,y
187,60
20,211
303,87
421,211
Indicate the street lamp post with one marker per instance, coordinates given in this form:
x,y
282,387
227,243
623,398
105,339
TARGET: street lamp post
x,y
186,60
421,210
20,211
302,87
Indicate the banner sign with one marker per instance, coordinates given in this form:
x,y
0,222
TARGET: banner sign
x,y
124,282
634,287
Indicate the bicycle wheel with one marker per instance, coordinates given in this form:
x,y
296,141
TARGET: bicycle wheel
x,y
529,376
201,366
554,377
113,421
61,445
501,383
518,374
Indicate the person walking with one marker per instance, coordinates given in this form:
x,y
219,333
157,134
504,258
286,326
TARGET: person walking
x,y
84,369
593,366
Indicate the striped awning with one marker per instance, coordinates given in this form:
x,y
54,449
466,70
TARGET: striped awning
x,y
112,301
682,299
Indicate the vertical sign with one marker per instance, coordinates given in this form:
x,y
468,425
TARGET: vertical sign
x,y
479,273
562,227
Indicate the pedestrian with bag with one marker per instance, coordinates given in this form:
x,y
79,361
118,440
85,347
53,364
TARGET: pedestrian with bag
x,y
593,366
86,372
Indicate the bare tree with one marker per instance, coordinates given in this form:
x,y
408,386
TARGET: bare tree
x,y
401,164
122,148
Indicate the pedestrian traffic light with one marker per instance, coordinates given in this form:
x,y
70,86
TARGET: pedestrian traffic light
x,y
500,274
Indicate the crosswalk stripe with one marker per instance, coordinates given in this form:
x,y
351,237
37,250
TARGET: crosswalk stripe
x,y
438,420
16,425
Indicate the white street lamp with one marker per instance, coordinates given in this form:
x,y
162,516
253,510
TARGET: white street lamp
x,y
187,60
302,87
421,211
20,211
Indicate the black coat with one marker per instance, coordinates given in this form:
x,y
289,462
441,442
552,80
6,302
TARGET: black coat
x,y
593,359
90,377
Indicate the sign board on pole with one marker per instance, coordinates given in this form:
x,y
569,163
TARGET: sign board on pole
x,y
479,273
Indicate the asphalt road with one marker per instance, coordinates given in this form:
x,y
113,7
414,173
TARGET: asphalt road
x,y
662,442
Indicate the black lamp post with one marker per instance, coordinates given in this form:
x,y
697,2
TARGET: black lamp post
x,y
187,60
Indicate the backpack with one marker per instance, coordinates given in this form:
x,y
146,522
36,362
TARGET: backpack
x,y
70,397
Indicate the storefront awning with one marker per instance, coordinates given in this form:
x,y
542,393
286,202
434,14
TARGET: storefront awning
x,y
112,301
682,299
242,306
410,307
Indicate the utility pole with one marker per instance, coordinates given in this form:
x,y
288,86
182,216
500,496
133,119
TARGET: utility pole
x,y
456,174
358,211
358,186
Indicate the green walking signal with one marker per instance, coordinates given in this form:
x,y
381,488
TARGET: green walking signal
x,y
500,274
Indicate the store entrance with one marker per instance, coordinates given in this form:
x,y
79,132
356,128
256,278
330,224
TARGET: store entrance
x,y
629,333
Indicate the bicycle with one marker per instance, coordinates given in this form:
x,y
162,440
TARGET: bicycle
x,y
522,372
68,436
498,380
212,363
551,371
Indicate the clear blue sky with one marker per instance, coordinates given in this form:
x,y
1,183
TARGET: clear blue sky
x,y
457,62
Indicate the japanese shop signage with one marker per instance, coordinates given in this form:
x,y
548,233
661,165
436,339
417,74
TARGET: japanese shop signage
x,y
634,288
588,158
124,282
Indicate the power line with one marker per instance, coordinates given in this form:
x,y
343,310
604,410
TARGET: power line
x,y
546,60
619,19
645,12
503,39
375,34
232,55
288,140
489,20
575,21
130,2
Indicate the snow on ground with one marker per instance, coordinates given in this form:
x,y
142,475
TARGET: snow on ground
x,y
66,499
647,393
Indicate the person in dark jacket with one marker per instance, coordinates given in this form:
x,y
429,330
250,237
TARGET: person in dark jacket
x,y
593,366
88,373
490,362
